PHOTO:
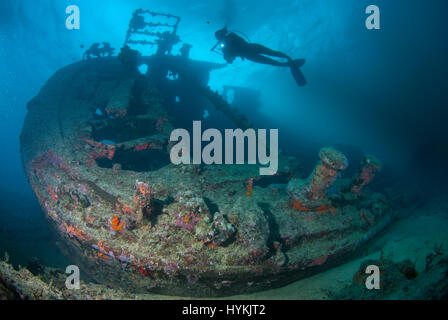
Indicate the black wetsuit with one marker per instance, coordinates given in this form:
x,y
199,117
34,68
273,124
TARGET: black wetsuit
x,y
235,46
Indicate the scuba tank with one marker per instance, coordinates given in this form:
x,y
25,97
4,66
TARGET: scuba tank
x,y
241,34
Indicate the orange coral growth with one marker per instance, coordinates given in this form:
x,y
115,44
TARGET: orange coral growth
x,y
102,245
326,208
124,207
298,205
90,220
142,147
322,209
101,150
143,190
116,224
143,271
127,209
111,153
145,146
52,193
102,255
74,232
249,187
211,245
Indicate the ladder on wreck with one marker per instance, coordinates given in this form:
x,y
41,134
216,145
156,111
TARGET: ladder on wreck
x,y
150,30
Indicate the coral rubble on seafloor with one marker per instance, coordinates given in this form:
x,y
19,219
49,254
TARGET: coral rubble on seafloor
x,y
400,280
49,284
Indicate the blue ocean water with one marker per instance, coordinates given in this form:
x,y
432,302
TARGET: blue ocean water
x,y
380,92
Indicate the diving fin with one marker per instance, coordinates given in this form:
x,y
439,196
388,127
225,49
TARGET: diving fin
x,y
297,73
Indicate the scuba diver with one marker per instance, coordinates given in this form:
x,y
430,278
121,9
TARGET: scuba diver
x,y
234,46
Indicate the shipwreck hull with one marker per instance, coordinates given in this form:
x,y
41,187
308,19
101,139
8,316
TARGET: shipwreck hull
x,y
95,149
